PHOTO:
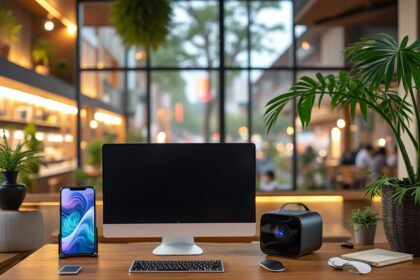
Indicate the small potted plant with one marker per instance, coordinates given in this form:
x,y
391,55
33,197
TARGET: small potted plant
x,y
41,54
364,223
12,161
9,31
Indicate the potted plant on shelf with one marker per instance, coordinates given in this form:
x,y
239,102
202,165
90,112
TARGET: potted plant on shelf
x,y
364,223
376,63
62,68
142,23
9,31
12,161
41,54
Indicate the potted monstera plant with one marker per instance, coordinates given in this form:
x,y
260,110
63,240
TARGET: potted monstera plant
x,y
12,161
379,66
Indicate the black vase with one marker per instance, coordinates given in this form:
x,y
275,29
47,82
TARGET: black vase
x,y
12,193
401,222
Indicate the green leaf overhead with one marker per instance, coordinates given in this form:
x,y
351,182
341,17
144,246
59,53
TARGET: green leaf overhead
x,y
142,23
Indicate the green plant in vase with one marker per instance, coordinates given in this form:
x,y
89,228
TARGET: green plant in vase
x,y
9,31
364,223
376,64
12,161
41,55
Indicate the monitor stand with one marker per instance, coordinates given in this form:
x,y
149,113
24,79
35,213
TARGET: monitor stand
x,y
177,246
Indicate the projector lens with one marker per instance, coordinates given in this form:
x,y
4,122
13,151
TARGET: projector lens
x,y
280,232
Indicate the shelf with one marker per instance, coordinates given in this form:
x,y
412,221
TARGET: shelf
x,y
44,126
29,81
99,104
30,78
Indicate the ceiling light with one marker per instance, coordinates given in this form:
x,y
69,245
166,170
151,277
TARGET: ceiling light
x,y
49,25
71,29
53,11
290,130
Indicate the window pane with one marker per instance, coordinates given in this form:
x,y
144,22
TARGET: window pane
x,y
323,46
185,106
236,33
99,126
104,86
136,107
275,150
194,36
328,148
271,35
100,45
236,106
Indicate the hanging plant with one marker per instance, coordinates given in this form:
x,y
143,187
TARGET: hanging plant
x,y
142,23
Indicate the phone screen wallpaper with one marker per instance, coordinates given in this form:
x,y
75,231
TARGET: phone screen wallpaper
x,y
77,221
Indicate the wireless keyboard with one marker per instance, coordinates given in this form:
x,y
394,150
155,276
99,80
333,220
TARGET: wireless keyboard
x,y
176,266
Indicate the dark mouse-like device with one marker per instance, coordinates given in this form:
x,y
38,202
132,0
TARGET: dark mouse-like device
x,y
272,265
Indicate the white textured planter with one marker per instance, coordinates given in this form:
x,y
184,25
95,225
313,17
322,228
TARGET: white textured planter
x,y
21,231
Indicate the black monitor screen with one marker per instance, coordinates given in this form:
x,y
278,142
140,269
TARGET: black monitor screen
x,y
178,183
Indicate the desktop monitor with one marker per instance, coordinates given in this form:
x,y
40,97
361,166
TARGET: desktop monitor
x,y
178,191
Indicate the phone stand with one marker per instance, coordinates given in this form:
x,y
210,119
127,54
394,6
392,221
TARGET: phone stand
x,y
94,254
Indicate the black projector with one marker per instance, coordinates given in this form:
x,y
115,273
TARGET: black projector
x,y
290,233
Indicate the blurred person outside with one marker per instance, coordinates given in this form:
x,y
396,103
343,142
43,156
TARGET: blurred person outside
x,y
268,182
378,163
364,157
392,159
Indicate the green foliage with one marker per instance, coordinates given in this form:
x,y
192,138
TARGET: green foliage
x,y
94,149
32,144
375,61
141,22
42,52
364,217
402,189
134,137
83,179
62,67
9,28
17,160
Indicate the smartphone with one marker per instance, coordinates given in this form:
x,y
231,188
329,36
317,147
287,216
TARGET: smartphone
x,y
77,221
70,269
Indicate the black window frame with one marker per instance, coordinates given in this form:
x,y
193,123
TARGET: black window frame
x,y
294,68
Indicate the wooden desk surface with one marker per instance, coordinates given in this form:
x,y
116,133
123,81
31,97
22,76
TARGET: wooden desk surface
x,y
7,260
240,260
